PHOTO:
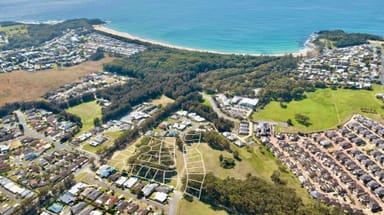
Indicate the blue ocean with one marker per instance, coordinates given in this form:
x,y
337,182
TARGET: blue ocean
x,y
233,26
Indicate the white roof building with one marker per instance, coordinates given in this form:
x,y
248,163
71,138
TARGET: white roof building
x,y
96,213
75,189
121,181
161,197
247,102
130,182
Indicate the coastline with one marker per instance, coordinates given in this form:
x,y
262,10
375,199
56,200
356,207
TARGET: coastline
x,y
309,47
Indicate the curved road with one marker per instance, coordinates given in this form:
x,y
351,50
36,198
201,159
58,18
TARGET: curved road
x,y
217,109
32,133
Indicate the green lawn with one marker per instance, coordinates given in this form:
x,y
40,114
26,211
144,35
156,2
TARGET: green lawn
x,y
198,208
87,112
325,108
206,102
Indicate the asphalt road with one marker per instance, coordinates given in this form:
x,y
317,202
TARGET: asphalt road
x,y
32,133
217,110
101,183
173,204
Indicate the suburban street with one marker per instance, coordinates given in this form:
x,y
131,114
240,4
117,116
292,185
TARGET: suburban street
x,y
173,204
28,131
58,146
100,183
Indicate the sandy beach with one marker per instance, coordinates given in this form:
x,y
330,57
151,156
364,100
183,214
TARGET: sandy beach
x,y
307,50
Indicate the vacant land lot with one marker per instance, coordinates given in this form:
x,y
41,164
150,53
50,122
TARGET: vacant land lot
x,y
264,164
28,86
163,101
325,108
87,112
256,160
212,164
119,158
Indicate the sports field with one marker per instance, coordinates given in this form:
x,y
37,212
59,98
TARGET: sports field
x,y
326,108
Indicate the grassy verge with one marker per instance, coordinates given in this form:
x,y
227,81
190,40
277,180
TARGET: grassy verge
x,y
326,108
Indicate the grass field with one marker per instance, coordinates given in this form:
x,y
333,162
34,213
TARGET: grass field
x,y
163,101
198,208
87,112
256,160
264,164
14,29
20,86
325,108
212,164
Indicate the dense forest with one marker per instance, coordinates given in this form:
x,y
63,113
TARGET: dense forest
x,y
176,73
217,141
36,34
340,39
256,196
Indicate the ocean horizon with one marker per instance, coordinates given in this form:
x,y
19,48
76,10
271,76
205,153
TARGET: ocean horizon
x,y
243,26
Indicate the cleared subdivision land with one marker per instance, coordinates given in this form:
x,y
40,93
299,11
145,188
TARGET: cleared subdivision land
x,y
20,86
163,101
326,108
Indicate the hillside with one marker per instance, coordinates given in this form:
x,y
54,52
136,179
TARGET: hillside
x,y
340,39
20,35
